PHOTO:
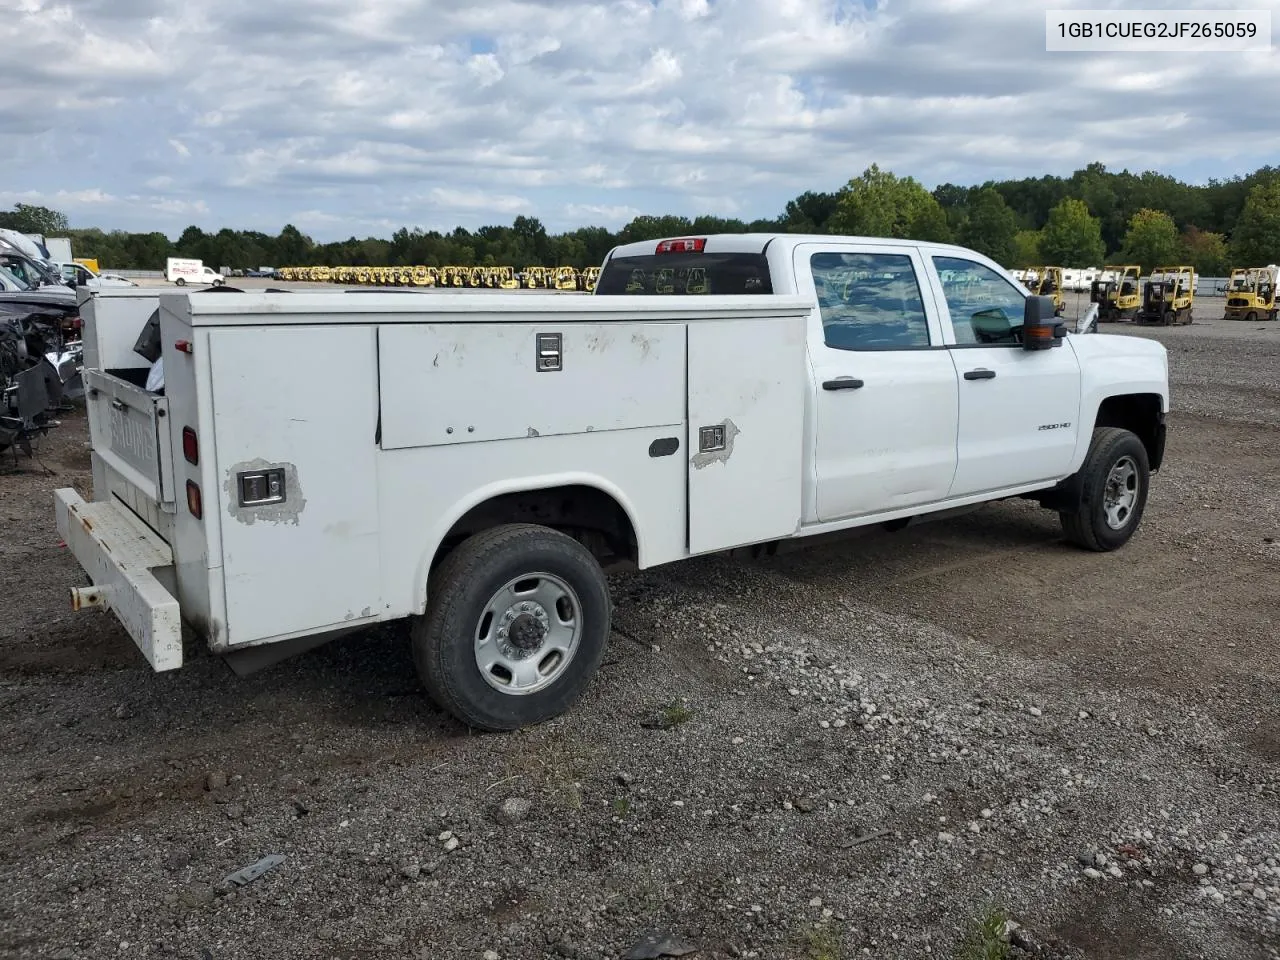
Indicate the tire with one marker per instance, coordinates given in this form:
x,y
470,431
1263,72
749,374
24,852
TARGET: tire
x,y
181,281
478,590
1092,524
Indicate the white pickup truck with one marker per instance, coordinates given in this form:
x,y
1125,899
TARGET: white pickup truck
x,y
320,461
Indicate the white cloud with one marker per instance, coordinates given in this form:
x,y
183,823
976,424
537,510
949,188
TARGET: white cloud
x,y
392,111
450,199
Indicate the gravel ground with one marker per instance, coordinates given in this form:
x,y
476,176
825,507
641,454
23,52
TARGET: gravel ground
x,y
859,748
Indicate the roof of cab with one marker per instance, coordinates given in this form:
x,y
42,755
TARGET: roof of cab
x,y
757,242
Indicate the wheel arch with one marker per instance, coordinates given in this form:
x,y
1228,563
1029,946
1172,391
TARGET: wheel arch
x,y
590,508
1139,413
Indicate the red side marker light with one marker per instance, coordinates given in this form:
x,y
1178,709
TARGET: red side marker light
x,y
183,345
190,446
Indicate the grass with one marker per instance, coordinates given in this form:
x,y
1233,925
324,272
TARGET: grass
x,y
622,807
676,713
985,939
824,943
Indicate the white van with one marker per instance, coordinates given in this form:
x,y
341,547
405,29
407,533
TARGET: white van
x,y
183,271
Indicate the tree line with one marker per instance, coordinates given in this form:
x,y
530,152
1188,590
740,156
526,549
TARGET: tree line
x,y
1086,219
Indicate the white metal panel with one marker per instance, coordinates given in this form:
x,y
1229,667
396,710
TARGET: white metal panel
x,y
196,548
126,425
425,490
119,553
311,562
112,322
747,377
1019,426
465,383
315,307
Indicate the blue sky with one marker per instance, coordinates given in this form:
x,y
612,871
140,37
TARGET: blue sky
x,y
360,116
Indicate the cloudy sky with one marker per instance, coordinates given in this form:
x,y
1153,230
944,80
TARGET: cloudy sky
x,y
360,116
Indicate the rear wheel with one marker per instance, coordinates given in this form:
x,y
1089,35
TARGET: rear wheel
x,y
181,281
1115,479
517,622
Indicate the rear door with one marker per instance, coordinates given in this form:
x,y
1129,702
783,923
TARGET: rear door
x,y
130,433
884,387
1018,408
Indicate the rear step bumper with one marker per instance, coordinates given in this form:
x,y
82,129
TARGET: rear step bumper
x,y
119,552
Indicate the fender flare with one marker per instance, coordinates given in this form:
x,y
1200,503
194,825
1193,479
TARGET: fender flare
x,y
510,486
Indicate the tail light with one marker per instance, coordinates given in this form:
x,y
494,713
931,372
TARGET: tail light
x,y
194,503
683,245
190,446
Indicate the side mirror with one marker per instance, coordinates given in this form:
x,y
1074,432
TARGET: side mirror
x,y
1041,327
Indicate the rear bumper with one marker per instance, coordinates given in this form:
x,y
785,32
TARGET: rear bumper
x,y
119,553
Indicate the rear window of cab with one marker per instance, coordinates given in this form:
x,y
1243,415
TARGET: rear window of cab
x,y
683,273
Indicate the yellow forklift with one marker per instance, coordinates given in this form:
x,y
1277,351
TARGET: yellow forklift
x,y
1167,298
1048,283
1117,293
1251,294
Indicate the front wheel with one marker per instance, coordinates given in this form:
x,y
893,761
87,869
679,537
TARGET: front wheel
x,y
517,622
1115,479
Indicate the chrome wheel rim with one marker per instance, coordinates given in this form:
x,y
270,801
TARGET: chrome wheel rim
x,y
1120,493
528,634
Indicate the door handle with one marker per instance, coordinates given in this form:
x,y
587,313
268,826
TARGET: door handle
x,y
980,375
118,404
844,383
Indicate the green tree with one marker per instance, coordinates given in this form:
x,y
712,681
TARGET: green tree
x,y
991,228
1152,240
809,213
1205,251
28,218
1071,236
1026,246
654,228
1256,239
879,204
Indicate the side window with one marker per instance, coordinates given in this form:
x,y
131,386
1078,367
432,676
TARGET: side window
x,y
985,307
869,301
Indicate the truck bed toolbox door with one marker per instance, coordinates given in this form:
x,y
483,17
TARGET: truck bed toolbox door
x,y
746,429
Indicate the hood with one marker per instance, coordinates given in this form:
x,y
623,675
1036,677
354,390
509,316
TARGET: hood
x,y
22,243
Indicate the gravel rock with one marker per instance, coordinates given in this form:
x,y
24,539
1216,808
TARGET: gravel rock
x,y
513,810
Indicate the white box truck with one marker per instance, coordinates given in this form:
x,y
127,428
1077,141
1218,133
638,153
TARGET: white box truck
x,y
183,271
471,463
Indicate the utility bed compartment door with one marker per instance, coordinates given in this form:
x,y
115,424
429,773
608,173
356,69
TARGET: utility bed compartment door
x,y
471,382
130,432
747,384
298,404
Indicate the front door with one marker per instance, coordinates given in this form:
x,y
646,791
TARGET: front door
x,y
1018,408
884,396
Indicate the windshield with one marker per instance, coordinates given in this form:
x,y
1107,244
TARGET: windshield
x,y
12,278
676,274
